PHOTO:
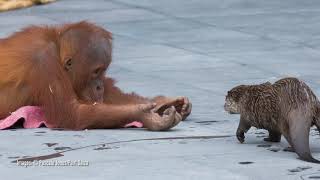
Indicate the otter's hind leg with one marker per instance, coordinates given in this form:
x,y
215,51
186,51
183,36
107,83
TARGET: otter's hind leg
x,y
298,135
274,136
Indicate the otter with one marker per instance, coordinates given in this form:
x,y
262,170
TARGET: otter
x,y
288,107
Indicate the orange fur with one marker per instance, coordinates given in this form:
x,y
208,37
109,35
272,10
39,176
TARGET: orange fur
x,y
33,72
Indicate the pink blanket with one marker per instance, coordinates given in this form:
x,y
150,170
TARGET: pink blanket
x,y
33,117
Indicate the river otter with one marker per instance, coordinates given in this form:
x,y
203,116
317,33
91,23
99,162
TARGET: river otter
x,y
287,107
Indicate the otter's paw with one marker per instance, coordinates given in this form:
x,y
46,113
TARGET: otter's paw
x,y
240,136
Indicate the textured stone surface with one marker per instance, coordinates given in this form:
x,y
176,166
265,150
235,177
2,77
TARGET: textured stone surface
x,y
200,49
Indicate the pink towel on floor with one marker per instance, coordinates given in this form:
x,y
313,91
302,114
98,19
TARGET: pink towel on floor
x,y
33,117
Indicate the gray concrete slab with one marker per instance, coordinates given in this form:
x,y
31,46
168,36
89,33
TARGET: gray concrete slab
x,y
199,49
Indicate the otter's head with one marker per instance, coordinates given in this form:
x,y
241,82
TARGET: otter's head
x,y
233,99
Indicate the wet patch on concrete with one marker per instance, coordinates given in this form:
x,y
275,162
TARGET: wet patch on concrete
x,y
62,148
206,122
310,176
183,142
13,157
299,169
274,149
314,177
261,136
26,156
50,144
246,162
101,148
57,129
104,147
107,147
40,132
264,145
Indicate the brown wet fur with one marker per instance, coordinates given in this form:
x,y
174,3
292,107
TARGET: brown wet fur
x,y
288,107
62,69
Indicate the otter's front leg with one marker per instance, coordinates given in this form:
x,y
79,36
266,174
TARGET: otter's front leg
x,y
243,127
274,136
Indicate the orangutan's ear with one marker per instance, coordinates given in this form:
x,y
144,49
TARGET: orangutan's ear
x,y
68,64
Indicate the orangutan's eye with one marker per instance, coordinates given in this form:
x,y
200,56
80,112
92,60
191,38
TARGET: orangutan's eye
x,y
97,71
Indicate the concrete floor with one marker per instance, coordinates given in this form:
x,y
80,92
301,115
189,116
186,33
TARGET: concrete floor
x,y
195,48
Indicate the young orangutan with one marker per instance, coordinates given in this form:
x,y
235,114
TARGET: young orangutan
x,y
62,69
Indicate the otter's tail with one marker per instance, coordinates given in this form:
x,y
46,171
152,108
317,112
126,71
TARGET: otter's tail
x,y
299,128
